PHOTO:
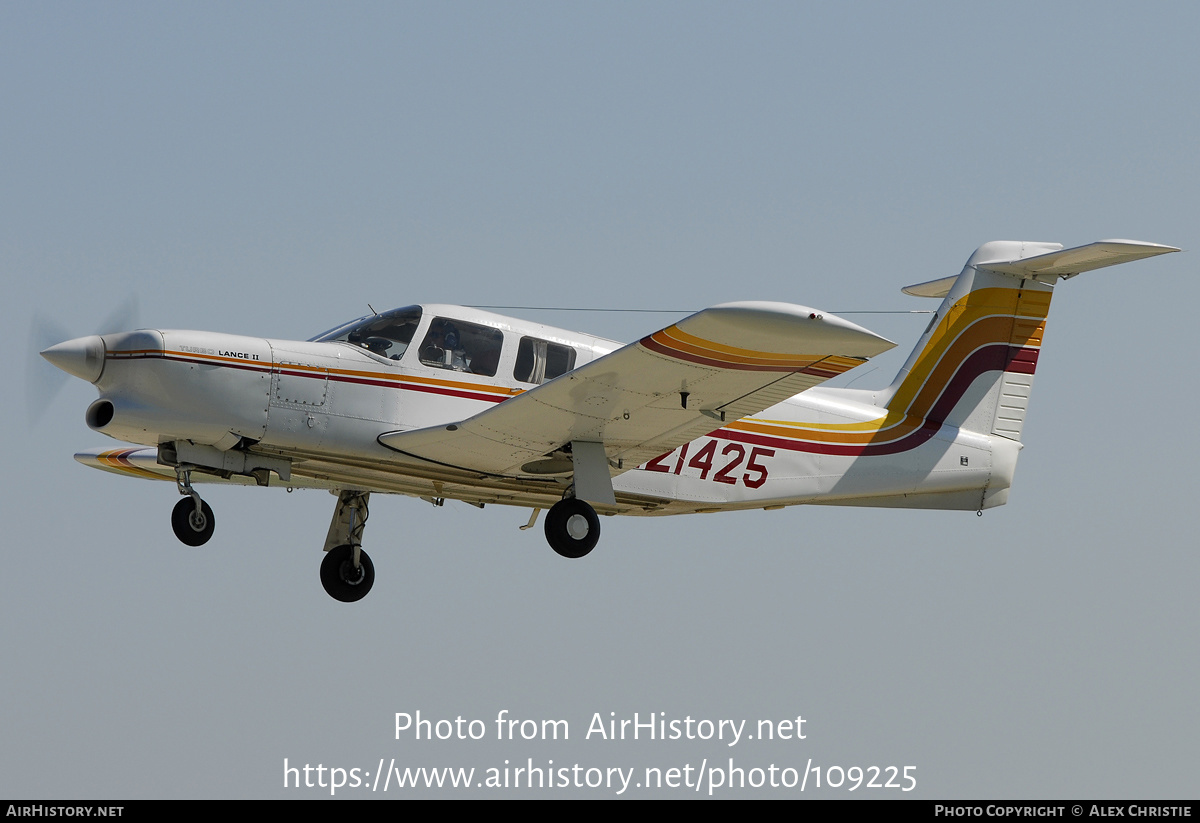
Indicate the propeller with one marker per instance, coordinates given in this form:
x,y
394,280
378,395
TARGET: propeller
x,y
42,380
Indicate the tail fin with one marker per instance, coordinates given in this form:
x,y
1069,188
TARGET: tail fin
x,y
973,366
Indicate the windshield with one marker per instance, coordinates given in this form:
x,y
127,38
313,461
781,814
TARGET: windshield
x,y
387,334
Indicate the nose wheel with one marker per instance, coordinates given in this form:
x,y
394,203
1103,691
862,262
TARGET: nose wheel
x,y
192,527
192,519
572,527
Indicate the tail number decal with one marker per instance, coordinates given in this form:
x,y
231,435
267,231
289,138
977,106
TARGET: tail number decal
x,y
706,458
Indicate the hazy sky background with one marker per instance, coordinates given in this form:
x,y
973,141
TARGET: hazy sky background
x,y
270,169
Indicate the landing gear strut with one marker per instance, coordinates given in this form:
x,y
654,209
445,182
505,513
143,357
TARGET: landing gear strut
x,y
347,572
572,527
191,519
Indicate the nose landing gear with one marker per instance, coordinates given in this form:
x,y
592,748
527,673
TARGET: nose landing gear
x,y
192,519
192,525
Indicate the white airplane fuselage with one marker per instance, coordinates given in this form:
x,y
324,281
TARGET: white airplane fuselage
x,y
324,405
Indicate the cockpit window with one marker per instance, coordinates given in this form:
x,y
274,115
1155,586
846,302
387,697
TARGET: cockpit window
x,y
540,360
386,335
454,344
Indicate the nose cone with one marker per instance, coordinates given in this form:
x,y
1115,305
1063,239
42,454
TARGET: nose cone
x,y
82,357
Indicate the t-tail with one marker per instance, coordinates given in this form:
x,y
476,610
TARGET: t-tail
x,y
973,366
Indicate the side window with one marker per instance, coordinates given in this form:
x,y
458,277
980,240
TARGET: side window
x,y
467,347
541,360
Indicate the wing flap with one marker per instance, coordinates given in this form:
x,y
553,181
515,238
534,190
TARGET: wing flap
x,y
651,396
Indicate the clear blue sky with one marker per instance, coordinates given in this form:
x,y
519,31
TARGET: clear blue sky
x,y
270,169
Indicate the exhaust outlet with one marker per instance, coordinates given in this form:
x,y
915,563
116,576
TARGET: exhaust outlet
x,y
99,414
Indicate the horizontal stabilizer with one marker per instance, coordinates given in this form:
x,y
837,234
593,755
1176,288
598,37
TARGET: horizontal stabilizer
x,y
1068,262
932,288
1047,267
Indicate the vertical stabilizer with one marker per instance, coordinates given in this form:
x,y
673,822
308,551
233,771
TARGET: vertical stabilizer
x,y
973,366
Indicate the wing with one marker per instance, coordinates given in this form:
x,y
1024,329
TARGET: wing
x,y
645,399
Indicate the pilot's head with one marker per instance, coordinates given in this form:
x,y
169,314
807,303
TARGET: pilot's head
x,y
444,334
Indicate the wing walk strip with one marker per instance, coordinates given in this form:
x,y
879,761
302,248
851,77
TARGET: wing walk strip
x,y
452,388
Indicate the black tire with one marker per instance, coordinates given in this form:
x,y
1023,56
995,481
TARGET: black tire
x,y
339,577
560,523
190,528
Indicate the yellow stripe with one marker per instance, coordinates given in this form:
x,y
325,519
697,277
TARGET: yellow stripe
x,y
973,307
769,426
733,351
678,341
830,433
112,459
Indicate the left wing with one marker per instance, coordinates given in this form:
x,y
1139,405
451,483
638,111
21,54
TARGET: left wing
x,y
646,398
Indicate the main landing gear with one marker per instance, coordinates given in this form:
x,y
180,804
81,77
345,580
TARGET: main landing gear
x,y
345,576
191,519
572,527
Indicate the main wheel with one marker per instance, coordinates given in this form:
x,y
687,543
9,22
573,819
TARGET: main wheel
x,y
572,527
339,577
191,527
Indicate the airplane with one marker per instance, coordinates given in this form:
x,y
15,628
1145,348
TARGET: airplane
x,y
723,410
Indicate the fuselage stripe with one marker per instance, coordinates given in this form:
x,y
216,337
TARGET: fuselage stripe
x,y
428,385
906,434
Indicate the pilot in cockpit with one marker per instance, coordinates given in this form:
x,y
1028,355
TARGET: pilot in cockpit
x,y
443,346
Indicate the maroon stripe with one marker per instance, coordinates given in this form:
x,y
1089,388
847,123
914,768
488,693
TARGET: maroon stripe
x,y
451,392
1023,361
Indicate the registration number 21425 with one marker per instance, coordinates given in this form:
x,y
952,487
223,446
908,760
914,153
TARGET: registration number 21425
x,y
718,461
